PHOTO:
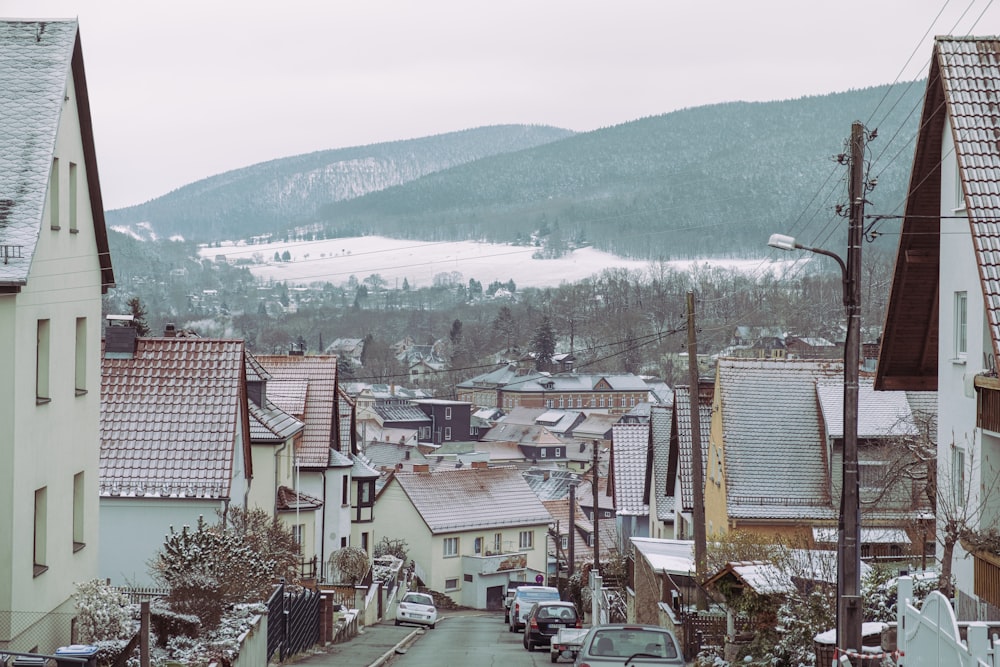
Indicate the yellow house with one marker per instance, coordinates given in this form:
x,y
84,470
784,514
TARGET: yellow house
x,y
469,531
54,268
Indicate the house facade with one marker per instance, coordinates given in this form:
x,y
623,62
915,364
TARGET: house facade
x,y
54,269
942,329
469,531
450,420
165,459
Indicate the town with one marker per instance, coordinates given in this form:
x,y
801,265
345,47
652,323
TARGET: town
x,y
790,498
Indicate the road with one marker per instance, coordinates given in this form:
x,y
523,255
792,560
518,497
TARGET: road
x,y
479,639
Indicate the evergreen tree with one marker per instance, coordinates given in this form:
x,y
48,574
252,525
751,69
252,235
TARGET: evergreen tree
x,y
138,312
505,325
543,344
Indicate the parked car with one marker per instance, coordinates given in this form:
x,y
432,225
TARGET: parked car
x,y
523,597
511,589
617,645
545,619
417,608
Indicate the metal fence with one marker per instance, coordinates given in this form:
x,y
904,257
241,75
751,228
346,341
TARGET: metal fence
x,y
29,631
293,621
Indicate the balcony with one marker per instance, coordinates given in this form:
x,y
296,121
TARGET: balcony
x,y
493,563
988,402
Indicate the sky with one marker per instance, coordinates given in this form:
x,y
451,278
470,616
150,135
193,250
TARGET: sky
x,y
186,89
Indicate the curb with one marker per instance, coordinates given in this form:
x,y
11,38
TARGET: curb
x,y
382,659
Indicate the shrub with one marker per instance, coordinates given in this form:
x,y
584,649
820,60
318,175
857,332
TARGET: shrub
x,y
103,613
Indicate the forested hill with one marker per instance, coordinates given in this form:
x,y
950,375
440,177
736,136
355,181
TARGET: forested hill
x,y
271,196
701,182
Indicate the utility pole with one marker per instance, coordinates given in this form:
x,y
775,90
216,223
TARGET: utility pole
x,y
697,474
597,539
849,556
571,568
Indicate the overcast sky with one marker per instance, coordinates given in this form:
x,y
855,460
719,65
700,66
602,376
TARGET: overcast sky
x,y
185,89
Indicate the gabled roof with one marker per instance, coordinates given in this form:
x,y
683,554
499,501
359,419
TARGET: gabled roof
x,y
37,60
881,414
388,454
401,412
596,425
550,484
289,500
961,87
763,578
564,382
660,483
628,468
771,426
319,373
271,423
685,443
463,499
171,415
523,434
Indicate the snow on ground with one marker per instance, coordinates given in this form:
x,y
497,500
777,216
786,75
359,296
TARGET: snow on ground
x,y
336,260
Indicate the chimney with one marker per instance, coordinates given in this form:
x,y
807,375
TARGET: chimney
x,y
120,337
421,467
480,465
170,330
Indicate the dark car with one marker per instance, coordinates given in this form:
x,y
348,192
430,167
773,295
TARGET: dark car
x,y
545,619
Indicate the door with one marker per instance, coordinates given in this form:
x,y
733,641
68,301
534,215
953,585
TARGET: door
x,y
494,598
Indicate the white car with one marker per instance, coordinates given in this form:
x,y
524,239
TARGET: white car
x,y
417,608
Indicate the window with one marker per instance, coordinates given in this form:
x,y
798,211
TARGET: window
x,y
477,546
579,402
562,402
872,474
42,363
961,323
450,547
81,356
564,542
958,476
343,542
526,539
558,452
72,198
54,195
447,433
39,543
959,194
78,511
364,542
425,432
297,532
541,452
366,492
601,402
451,584
548,402
344,489
447,413
498,543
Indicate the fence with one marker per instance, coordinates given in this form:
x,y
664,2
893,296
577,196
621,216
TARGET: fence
x,y
139,595
253,645
35,631
294,621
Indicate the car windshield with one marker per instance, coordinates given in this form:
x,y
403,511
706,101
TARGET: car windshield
x,y
418,598
627,642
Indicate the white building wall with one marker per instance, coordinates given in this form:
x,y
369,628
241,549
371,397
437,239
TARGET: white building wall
x,y
46,445
133,530
956,396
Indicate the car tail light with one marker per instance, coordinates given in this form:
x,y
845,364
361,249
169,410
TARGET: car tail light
x,y
517,608
579,623
534,624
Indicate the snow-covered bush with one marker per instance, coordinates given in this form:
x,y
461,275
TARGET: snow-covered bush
x,y
103,613
879,592
351,564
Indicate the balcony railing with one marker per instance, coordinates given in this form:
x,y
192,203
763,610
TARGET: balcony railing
x,y
988,403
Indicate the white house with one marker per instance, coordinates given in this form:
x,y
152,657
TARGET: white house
x,y
943,320
54,267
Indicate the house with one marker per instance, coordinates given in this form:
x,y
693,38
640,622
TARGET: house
x,y
402,414
165,459
616,393
450,420
942,325
752,446
347,348
626,477
306,387
663,578
54,269
580,531
536,443
485,390
469,530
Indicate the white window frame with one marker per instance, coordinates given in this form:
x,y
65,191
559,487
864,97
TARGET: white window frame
x,y
526,540
541,452
961,324
498,543
447,413
450,547
451,584
447,433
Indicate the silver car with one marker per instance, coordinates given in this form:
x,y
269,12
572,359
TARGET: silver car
x,y
629,645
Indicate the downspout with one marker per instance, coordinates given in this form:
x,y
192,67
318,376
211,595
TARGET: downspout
x,y
322,524
277,475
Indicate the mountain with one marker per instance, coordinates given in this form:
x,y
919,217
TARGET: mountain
x,y
273,195
704,181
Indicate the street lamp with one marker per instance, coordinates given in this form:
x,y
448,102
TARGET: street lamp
x,y
849,528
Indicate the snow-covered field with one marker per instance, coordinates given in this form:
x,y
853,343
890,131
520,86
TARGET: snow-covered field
x,y
336,260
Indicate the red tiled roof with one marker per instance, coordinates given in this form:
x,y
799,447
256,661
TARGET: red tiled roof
x,y
172,416
320,371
